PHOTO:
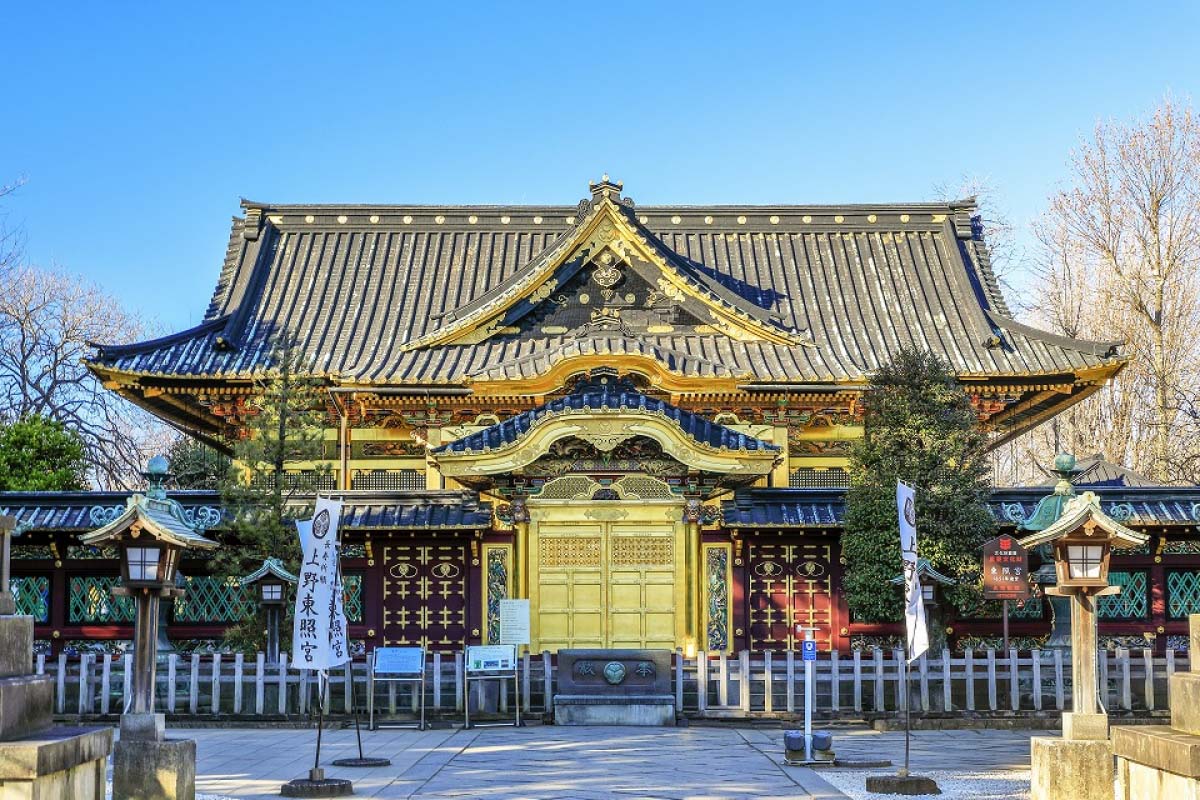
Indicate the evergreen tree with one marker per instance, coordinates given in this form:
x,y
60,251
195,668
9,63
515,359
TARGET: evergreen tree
x,y
920,428
195,465
39,454
285,427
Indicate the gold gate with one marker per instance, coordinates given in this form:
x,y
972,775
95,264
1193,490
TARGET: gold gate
x,y
616,581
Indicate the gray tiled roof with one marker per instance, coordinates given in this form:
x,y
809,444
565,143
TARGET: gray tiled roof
x,y
356,283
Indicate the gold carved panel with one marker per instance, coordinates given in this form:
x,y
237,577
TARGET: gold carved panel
x,y
569,551
628,551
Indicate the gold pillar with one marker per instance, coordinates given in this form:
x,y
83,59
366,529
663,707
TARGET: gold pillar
x,y
781,474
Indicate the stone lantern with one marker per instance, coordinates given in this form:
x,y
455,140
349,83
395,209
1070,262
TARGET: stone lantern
x,y
270,583
1079,765
151,533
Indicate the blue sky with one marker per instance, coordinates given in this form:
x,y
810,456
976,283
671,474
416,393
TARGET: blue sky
x,y
137,132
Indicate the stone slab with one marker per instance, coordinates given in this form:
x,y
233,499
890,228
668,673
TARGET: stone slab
x,y
56,750
614,672
1063,769
1084,727
26,705
16,646
902,784
152,770
1138,782
1158,746
1185,702
625,712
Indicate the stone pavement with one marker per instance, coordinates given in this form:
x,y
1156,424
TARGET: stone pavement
x,y
599,763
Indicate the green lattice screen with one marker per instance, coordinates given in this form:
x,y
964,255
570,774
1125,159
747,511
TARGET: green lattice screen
x,y
354,598
33,596
1131,603
214,599
92,601
1031,609
1183,594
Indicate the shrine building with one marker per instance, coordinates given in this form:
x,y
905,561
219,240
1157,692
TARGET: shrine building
x,y
638,417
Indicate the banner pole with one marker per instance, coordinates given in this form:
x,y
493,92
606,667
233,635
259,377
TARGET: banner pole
x,y
907,712
320,719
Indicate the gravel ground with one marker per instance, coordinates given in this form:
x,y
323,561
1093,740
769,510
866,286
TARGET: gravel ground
x,y
960,785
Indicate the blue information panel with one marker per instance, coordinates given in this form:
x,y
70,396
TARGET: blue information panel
x,y
808,650
399,660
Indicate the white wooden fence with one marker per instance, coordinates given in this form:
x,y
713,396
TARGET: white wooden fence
x,y
745,684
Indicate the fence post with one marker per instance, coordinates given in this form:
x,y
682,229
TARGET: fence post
x,y
348,686
527,681
437,681
302,690
1126,694
238,667
83,681
991,676
216,683
171,661
744,683
947,698
880,697
458,680
283,681
835,683
1104,693
1014,680
40,666
924,667
105,682
547,683
902,698
768,683
791,680
1170,672
702,681
857,680
62,683
723,677
259,688
1036,655
127,681
678,679
1059,689
1148,664
194,688
969,669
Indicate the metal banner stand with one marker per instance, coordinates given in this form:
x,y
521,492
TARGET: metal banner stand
x,y
396,665
505,658
361,761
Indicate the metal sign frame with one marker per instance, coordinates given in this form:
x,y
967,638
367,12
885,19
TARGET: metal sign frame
x,y
491,675
395,677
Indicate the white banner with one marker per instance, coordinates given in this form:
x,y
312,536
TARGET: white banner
x,y
914,603
319,623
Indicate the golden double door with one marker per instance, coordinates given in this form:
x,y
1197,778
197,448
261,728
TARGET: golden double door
x,y
608,583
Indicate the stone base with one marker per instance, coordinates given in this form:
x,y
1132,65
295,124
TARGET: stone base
x,y
1156,761
1185,702
902,784
1078,727
59,764
1136,781
154,770
1064,769
591,710
16,645
26,702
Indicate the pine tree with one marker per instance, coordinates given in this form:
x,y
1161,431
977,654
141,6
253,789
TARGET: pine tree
x,y
920,428
285,427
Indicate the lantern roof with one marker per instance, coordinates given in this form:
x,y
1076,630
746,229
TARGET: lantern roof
x,y
273,567
1079,511
926,570
163,519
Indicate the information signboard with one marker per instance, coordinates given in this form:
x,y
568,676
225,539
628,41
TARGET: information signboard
x,y
808,650
514,622
491,657
399,660
1005,570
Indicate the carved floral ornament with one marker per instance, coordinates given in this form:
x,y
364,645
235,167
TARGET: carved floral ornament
x,y
605,428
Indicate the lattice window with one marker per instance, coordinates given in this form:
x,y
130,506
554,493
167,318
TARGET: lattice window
x,y
214,599
324,482
91,600
810,478
644,488
32,594
1131,603
352,593
389,479
1031,609
567,487
569,551
631,551
1183,594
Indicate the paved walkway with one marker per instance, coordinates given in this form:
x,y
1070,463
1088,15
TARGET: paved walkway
x,y
557,762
